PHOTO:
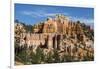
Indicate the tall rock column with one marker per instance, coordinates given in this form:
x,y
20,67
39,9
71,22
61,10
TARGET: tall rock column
x,y
50,42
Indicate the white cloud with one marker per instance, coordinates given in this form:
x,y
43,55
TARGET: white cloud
x,y
32,14
82,19
40,13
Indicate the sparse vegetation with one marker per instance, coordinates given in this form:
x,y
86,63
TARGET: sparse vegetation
x,y
26,56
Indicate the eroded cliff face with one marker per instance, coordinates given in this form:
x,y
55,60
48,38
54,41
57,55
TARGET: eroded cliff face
x,y
59,34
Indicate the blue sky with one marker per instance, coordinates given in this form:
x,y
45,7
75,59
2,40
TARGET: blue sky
x,y
31,14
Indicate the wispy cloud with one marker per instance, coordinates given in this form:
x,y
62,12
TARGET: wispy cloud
x,y
41,13
32,14
82,19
